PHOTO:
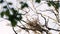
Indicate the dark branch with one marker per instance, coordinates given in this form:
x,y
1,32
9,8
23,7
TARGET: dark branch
x,y
14,30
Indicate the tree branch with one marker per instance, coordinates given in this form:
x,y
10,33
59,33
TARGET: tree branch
x,y
14,30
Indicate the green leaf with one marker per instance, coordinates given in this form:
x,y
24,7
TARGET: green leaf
x,y
13,22
10,3
14,11
24,5
7,13
49,4
15,14
1,1
52,3
5,7
38,1
57,5
2,14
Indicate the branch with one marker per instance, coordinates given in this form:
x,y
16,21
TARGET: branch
x,y
14,30
52,29
24,28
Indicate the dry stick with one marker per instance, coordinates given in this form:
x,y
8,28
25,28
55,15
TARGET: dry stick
x,y
14,30
57,15
24,21
48,27
24,26
21,23
28,28
46,15
44,18
24,11
27,23
50,17
39,30
46,23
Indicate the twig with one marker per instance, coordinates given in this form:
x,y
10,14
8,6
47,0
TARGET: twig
x,y
14,30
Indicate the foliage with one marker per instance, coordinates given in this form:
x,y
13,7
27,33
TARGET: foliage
x,y
5,7
38,1
1,1
2,14
55,4
23,5
12,18
10,3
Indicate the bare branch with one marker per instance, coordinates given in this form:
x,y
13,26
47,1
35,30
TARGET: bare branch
x,y
14,30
